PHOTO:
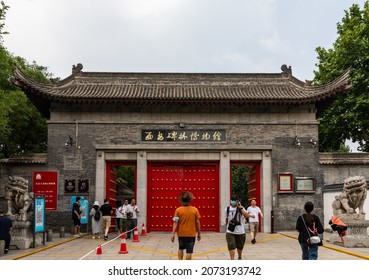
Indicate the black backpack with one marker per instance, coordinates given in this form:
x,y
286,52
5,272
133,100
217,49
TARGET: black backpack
x,y
97,215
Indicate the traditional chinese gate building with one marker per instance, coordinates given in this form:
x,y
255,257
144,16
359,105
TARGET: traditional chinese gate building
x,y
183,131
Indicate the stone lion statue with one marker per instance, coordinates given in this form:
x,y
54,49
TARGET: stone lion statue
x,y
18,198
352,197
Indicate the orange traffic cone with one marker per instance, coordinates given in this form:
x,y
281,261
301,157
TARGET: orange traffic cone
x,y
123,245
143,230
99,252
135,235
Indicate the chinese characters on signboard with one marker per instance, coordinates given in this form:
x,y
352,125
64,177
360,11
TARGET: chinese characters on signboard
x,y
183,135
46,183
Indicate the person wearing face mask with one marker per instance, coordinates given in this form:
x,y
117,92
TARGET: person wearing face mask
x,y
236,239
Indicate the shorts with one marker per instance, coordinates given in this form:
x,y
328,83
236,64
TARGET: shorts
x,y
235,241
106,222
187,243
76,222
254,227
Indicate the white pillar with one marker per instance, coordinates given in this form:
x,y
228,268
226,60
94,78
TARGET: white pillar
x,y
141,187
100,177
266,191
224,186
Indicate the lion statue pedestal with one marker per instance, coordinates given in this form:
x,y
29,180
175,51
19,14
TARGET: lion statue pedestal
x,y
344,207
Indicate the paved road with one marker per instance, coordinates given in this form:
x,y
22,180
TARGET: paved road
x,y
157,246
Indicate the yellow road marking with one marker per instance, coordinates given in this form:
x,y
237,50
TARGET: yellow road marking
x,y
335,249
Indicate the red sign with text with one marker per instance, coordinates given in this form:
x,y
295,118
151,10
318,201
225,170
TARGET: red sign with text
x,y
46,183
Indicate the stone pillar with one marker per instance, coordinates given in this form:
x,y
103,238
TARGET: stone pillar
x,y
142,186
224,185
356,234
100,176
62,232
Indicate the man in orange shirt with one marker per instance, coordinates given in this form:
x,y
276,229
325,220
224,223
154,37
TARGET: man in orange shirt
x,y
186,222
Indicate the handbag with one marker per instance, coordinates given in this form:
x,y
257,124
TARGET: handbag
x,y
234,222
312,239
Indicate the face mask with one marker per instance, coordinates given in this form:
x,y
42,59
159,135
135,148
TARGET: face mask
x,y
233,202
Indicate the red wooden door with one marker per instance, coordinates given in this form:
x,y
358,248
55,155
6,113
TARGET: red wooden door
x,y
254,187
111,191
167,181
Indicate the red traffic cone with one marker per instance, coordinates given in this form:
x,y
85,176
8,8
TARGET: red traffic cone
x,y
123,245
99,252
143,230
135,235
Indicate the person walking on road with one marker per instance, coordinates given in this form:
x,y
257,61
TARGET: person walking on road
x,y
6,226
95,220
119,217
106,211
236,236
308,225
254,222
186,222
133,209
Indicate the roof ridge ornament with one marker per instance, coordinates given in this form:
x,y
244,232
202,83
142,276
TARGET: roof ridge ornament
x,y
77,68
286,71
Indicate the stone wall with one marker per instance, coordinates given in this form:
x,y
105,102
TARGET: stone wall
x,y
249,129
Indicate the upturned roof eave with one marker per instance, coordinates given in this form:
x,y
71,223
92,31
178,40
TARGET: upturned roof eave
x,y
52,93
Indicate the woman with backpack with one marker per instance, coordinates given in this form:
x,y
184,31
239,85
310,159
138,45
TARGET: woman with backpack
x,y
309,225
95,220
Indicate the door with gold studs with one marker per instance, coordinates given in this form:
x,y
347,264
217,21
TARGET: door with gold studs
x,y
167,181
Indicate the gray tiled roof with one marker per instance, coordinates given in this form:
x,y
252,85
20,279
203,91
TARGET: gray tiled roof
x,y
96,87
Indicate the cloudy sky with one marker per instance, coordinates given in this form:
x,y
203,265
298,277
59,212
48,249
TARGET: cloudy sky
x,y
173,35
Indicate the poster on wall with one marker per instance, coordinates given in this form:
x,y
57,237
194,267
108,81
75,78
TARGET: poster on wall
x,y
83,207
46,183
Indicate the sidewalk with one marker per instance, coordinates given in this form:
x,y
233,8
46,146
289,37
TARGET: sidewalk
x,y
157,246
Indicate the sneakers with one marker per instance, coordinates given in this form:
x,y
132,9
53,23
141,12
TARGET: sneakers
x,y
105,237
93,237
76,235
98,237
253,241
6,251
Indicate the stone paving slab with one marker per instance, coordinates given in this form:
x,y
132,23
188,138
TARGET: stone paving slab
x,y
157,246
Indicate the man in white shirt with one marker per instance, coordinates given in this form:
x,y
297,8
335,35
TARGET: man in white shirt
x,y
235,236
254,221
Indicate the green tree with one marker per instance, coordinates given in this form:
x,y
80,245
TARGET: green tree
x,y
22,128
348,116
240,182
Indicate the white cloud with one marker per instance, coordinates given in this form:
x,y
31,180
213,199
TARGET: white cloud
x,y
172,35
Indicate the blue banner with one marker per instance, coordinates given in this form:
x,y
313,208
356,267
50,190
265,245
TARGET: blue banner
x,y
39,214
83,207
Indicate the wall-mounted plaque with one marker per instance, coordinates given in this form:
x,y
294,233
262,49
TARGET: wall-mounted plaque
x,y
154,135
69,185
83,185
304,184
285,182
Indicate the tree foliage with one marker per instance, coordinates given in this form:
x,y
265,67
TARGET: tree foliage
x,y
348,116
240,182
22,128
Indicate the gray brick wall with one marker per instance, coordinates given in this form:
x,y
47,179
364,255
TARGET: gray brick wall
x,y
123,130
